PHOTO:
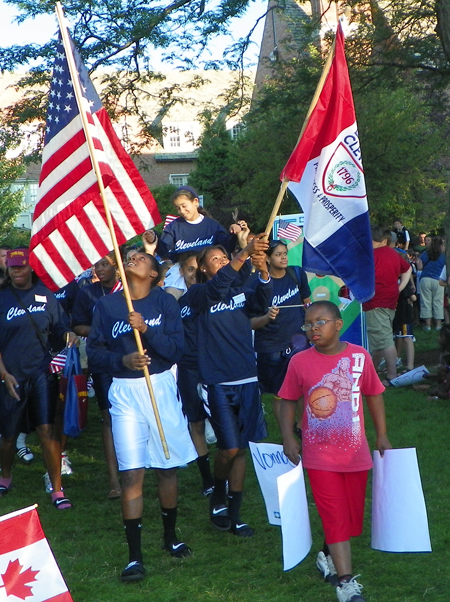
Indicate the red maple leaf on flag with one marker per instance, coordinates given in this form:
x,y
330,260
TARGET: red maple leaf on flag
x,y
15,581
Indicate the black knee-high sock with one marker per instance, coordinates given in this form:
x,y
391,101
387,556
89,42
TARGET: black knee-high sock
x,y
133,534
325,549
205,471
169,519
219,495
234,506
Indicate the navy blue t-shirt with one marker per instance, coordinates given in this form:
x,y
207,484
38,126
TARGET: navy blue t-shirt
x,y
85,302
224,335
22,351
181,236
188,319
111,336
67,295
277,335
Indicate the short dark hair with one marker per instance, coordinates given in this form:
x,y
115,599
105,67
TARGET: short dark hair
x,y
377,233
388,236
331,307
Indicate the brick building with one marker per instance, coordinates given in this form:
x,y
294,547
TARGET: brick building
x,y
171,155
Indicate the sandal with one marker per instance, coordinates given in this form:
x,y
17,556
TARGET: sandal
x,y
114,494
178,549
218,515
4,490
386,383
61,502
25,454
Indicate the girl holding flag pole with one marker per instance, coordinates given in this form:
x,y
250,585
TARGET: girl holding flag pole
x,y
111,348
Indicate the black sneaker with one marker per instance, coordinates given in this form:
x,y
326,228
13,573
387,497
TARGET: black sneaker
x,y
178,549
242,530
134,571
218,515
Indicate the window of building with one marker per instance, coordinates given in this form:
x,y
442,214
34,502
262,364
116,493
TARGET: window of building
x,y
237,129
179,136
178,179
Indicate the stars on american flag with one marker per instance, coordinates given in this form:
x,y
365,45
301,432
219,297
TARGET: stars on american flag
x,y
62,106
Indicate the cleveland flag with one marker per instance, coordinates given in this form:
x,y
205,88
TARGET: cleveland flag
x,y
70,231
326,176
28,569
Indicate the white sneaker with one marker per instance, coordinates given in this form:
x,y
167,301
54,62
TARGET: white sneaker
x,y
66,467
209,433
350,591
47,483
326,567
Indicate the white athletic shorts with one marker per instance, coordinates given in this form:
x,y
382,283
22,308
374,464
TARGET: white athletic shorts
x,y
136,436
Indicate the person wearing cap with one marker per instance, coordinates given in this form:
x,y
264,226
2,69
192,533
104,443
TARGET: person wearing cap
x,y
192,231
30,317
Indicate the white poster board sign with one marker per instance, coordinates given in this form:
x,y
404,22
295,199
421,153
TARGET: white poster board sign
x,y
399,514
270,462
295,525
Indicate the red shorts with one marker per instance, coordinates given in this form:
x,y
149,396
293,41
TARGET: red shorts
x,y
340,498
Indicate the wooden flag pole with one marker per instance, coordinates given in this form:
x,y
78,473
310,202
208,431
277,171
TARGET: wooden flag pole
x,y
126,290
320,85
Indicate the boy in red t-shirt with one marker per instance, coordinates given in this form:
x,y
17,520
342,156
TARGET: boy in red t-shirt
x,y
331,377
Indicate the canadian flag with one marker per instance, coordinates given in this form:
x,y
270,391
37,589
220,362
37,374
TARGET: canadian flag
x,y
28,569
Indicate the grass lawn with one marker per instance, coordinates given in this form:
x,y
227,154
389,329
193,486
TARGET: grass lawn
x,y
89,543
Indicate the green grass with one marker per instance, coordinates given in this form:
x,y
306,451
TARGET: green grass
x,y
89,543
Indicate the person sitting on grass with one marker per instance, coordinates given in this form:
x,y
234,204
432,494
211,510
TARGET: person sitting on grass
x,y
335,451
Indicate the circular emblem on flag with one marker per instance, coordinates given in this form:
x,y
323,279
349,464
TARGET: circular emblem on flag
x,y
343,177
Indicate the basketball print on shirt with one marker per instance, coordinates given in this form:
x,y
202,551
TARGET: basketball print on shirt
x,y
333,405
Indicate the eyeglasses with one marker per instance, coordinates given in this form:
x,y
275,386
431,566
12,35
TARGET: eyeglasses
x,y
317,324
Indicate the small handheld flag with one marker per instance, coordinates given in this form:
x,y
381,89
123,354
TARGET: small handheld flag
x,y
288,231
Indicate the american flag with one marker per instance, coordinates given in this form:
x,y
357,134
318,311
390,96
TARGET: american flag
x,y
117,287
288,231
58,362
170,219
70,231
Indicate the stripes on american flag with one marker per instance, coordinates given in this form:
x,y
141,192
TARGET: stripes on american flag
x,y
170,219
58,362
70,231
288,231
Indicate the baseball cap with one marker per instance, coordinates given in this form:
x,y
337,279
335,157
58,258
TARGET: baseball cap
x,y
17,257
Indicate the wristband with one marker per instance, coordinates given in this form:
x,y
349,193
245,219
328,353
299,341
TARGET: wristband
x,y
241,260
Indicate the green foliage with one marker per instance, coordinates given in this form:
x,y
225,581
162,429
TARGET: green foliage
x,y
162,196
401,108
120,37
16,237
401,147
10,202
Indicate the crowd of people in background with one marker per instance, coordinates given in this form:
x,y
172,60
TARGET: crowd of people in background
x,y
221,316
